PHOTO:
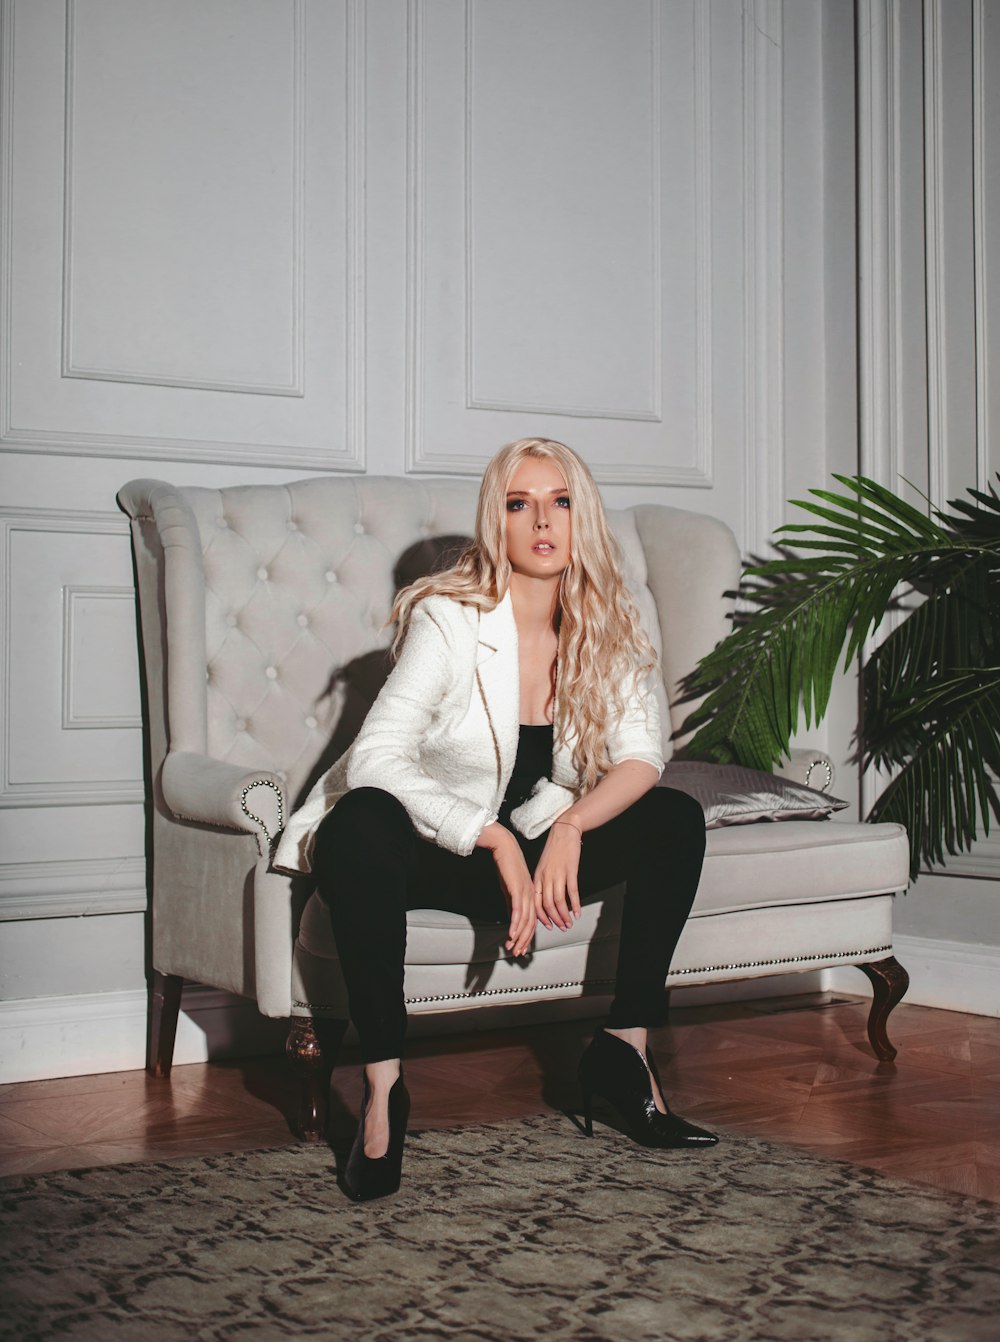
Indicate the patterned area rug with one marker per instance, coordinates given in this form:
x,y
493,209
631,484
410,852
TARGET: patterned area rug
x,y
517,1231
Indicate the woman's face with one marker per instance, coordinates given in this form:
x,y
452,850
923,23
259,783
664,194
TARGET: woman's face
x,y
539,528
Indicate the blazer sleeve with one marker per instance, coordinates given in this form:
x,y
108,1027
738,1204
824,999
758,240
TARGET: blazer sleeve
x,y
637,733
386,752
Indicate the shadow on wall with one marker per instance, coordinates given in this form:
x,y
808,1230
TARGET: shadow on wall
x,y
359,681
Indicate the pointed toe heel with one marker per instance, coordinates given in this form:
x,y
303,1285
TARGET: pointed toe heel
x,y
588,1114
370,1177
621,1075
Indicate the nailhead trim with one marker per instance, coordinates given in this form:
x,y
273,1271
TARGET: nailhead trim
x,y
829,773
606,983
786,960
262,782
485,992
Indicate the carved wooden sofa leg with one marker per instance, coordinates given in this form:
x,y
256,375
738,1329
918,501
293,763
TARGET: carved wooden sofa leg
x,y
312,1048
889,982
164,1008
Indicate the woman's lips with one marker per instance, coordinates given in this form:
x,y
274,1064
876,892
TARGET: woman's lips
x,y
543,547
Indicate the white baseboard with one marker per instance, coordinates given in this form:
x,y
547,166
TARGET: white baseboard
x,y
47,1037
947,974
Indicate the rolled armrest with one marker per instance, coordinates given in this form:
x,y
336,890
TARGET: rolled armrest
x,y
810,767
212,792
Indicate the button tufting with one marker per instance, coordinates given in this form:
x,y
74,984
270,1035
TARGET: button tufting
x,y
262,574
232,621
293,525
241,724
302,620
311,722
221,522
359,527
271,672
330,575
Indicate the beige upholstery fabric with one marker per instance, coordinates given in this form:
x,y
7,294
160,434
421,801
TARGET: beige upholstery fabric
x,y
262,610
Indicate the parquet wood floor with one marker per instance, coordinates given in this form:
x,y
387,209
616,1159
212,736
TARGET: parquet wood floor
x,y
797,1071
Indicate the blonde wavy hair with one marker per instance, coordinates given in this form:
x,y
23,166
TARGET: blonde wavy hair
x,y
603,652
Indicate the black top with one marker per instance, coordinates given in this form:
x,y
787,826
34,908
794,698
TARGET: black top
x,y
533,761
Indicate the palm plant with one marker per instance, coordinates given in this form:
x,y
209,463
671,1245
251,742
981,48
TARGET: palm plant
x,y
930,702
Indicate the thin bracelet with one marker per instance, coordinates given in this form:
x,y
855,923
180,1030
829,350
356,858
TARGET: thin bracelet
x,y
571,825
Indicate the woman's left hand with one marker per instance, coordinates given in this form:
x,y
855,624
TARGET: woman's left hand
x,y
557,897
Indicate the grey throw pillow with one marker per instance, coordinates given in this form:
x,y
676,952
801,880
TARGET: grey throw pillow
x,y
732,795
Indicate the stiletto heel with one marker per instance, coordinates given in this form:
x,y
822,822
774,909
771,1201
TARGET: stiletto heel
x,y
588,1118
368,1177
618,1072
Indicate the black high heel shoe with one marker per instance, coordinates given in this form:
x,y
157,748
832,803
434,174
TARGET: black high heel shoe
x,y
368,1177
616,1071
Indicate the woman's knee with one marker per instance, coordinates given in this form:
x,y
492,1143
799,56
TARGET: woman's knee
x,y
367,818
672,815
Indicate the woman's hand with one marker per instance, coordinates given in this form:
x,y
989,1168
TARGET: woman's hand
x,y
557,896
515,880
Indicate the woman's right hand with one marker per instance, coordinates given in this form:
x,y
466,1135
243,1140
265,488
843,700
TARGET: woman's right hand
x,y
517,885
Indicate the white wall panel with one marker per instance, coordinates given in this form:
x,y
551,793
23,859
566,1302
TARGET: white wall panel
x,y
100,673
58,666
950,257
176,272
986,207
561,235
159,238
929,121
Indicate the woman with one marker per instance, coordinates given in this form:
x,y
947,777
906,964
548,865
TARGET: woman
x,y
506,771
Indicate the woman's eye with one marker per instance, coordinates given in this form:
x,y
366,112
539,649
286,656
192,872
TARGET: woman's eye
x,y
563,501
515,505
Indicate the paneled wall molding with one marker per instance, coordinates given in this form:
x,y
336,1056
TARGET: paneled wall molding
x,y
6,197
652,412
763,245
356,227
57,792
73,718
71,367
705,300
880,406
879,312
323,445
934,240
423,450
983,229
72,888
413,390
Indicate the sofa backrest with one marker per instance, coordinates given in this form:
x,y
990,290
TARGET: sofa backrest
x,y
292,586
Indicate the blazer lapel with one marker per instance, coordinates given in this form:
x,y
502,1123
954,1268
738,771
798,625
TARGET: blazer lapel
x,y
498,678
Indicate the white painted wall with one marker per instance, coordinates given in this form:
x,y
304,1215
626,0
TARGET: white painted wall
x,y
930,352
248,240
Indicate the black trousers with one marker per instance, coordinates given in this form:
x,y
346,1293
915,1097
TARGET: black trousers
x,y
371,867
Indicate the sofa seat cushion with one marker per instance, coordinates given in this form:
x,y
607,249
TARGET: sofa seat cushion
x,y
802,862
807,862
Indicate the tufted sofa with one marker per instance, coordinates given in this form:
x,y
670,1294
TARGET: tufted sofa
x,y
262,611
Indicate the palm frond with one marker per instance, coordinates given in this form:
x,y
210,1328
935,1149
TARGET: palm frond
x,y
806,614
927,715
943,793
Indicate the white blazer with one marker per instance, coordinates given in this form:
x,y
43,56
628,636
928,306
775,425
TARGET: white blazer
x,y
442,736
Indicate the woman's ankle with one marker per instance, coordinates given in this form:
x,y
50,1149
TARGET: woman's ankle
x,y
634,1035
383,1075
